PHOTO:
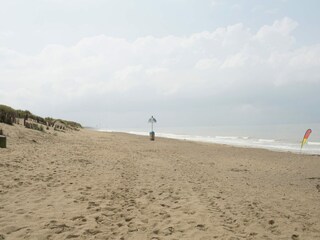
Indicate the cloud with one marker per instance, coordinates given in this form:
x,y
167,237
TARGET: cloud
x,y
231,68
215,3
207,63
278,35
6,34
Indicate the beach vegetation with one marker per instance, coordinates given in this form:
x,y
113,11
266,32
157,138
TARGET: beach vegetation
x,y
7,114
10,116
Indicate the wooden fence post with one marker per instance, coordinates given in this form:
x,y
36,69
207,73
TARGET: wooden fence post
x,y
3,141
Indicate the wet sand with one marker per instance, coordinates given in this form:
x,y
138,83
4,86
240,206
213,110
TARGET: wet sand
x,y
93,185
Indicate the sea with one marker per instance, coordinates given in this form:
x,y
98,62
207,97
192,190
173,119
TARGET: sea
x,y
275,137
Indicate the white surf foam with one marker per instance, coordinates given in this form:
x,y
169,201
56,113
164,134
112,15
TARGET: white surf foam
x,y
238,141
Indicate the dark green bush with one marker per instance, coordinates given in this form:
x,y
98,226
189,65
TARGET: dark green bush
x,y
7,114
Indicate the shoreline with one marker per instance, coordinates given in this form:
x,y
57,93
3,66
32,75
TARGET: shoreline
x,y
93,185
213,140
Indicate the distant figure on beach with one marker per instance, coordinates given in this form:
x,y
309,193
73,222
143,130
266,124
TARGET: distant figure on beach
x,y
152,120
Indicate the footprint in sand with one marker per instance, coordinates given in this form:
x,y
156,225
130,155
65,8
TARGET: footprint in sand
x,y
168,231
58,228
128,219
103,218
92,232
92,205
295,237
201,227
79,220
72,236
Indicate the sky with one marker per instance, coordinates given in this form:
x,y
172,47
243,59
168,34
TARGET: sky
x,y
114,63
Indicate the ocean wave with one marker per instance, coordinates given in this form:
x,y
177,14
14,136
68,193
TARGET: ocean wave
x,y
227,137
266,140
104,130
271,144
139,133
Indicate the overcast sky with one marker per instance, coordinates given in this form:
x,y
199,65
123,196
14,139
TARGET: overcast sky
x,y
114,63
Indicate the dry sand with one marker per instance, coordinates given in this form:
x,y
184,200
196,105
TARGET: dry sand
x,y
91,185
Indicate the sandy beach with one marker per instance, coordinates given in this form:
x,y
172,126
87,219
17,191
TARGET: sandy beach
x,y
96,185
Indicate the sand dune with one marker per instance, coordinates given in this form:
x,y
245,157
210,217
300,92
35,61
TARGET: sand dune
x,y
92,185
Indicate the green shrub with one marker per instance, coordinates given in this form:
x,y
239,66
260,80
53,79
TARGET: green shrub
x,y
7,114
